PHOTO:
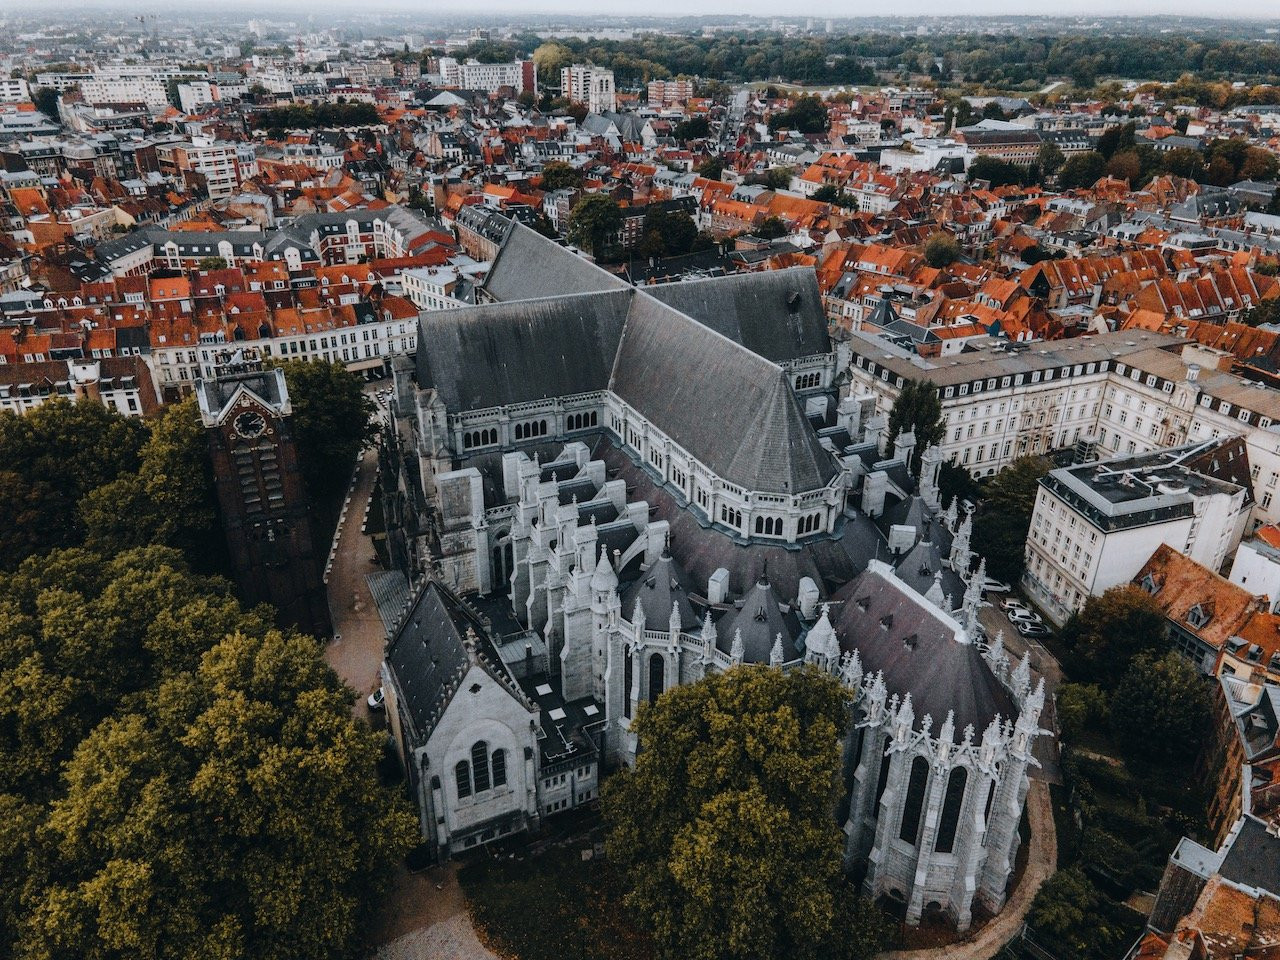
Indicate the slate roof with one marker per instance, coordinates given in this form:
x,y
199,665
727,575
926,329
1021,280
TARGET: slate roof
x,y
777,314
529,266
731,408
760,619
494,354
1254,857
701,549
899,633
428,654
656,589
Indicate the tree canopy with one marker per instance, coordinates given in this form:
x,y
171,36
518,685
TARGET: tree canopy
x,y
806,114
558,175
941,250
918,409
1111,630
332,422
1004,519
725,830
1165,698
178,778
594,222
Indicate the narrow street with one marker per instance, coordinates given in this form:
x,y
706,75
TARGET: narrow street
x,y
425,916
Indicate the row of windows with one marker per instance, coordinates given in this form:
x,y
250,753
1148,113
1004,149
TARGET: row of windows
x,y
527,431
581,421
808,381
485,771
479,438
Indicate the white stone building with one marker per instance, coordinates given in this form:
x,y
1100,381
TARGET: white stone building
x,y
658,484
1094,525
591,85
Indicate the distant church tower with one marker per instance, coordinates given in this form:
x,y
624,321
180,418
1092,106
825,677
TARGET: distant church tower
x,y
265,511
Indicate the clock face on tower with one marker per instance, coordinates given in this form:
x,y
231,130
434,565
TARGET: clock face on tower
x,y
250,424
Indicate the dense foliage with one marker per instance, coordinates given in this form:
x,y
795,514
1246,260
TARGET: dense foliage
x,y
1002,524
1110,631
178,778
918,409
724,829
594,222
332,422
317,116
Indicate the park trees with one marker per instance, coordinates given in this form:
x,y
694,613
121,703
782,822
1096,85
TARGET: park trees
x,y
1165,698
179,778
558,175
1082,170
729,803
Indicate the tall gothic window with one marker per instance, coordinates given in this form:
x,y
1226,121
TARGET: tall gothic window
x,y
499,768
883,778
951,809
657,676
480,765
462,773
626,685
914,804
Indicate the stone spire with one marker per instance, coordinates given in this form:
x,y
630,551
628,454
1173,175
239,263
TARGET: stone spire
x,y
637,620
935,594
930,467
1021,682
851,669
738,649
673,624
820,645
708,638
604,579
961,555
775,655
949,518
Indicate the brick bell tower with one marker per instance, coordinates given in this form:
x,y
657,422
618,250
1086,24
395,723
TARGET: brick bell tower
x,y
265,510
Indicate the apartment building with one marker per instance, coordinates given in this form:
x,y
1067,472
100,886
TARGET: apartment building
x,y
14,90
216,162
1114,394
1094,525
589,84
124,83
666,92
520,75
121,384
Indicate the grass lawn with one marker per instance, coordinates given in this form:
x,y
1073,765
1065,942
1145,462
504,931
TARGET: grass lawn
x,y
555,906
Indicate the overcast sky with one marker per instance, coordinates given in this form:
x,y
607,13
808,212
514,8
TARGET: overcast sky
x,y
760,8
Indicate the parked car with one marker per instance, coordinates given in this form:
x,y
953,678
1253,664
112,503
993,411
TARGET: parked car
x,y
995,586
375,700
1023,615
1031,628
1009,603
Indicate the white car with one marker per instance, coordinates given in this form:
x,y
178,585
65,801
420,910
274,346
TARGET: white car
x,y
375,700
1009,603
1023,616
995,586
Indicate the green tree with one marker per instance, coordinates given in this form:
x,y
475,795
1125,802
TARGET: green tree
x,y
807,115
549,59
234,814
1183,162
729,803
212,263
171,500
1111,630
1065,911
1168,700
668,233
1082,170
919,410
558,175
1004,519
1125,165
1080,707
694,128
830,193
1050,158
941,250
770,228
998,173
61,451
711,168
332,422
46,101
594,222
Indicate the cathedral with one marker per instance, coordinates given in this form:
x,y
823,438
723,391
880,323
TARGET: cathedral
x,y
647,485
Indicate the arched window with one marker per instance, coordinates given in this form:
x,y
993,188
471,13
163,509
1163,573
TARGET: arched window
x,y
759,524
462,773
499,768
519,431
627,671
657,676
916,785
480,765
883,778
493,436
951,809
595,418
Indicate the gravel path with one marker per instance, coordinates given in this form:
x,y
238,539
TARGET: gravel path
x,y
451,939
